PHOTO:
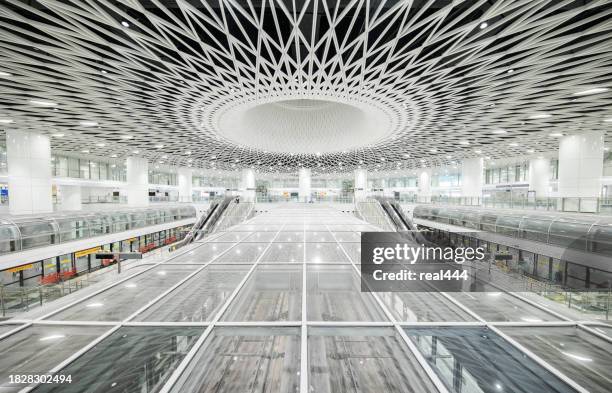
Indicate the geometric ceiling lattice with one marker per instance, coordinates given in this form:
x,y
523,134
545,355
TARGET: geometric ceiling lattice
x,y
387,84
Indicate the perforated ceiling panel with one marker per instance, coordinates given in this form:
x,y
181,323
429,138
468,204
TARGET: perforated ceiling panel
x,y
331,85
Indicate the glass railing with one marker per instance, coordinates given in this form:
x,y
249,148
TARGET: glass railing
x,y
314,199
561,204
371,212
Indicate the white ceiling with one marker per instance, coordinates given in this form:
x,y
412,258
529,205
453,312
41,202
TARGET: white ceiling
x,y
327,84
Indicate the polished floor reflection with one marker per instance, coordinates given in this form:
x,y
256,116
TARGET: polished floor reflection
x,y
275,305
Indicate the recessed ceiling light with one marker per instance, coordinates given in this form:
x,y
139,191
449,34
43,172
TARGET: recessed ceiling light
x,y
555,134
595,90
85,151
126,137
42,103
125,23
135,152
433,150
52,337
6,121
159,146
510,71
59,135
608,120
484,25
499,131
100,144
113,156
530,151
464,142
188,152
540,116
513,144
477,151
88,123
5,74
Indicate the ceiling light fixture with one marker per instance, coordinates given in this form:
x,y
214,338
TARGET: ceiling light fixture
x,y
88,123
5,74
52,337
540,116
484,25
125,23
126,137
595,90
555,134
499,131
42,103
6,121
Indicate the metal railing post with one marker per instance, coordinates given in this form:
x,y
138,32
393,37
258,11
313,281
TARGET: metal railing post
x,y
2,301
608,303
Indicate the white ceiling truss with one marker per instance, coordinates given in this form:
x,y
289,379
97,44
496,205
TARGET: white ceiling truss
x,y
162,72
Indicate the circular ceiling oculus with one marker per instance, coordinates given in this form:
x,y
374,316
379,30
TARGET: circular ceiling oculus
x,y
304,126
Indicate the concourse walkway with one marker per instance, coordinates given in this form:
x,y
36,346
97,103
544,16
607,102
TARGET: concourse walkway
x,y
274,304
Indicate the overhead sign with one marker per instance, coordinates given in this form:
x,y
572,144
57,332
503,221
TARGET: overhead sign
x,y
119,255
88,251
20,268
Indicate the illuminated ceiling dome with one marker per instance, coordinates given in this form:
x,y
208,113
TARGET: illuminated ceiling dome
x,y
327,84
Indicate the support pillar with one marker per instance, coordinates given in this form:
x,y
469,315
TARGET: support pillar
x,y
247,186
471,181
539,177
361,185
424,189
29,172
580,171
70,197
137,181
185,184
305,180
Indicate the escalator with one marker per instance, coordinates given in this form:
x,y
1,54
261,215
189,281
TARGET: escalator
x,y
400,219
395,214
207,221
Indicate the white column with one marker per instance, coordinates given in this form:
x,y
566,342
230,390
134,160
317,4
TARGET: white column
x,y
247,186
29,172
424,190
580,170
185,184
137,181
70,197
539,177
305,180
361,184
472,180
